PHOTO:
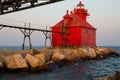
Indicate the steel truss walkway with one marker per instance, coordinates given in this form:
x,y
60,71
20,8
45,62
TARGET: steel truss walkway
x,y
28,31
9,6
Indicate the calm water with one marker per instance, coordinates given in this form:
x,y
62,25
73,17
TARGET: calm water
x,y
79,71
18,47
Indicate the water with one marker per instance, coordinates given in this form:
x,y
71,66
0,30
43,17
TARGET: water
x,y
18,47
79,71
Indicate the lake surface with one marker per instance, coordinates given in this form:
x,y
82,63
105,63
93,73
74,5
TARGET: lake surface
x,y
79,71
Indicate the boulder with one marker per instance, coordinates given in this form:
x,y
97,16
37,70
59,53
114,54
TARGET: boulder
x,y
89,52
45,67
42,57
16,63
33,62
2,58
1,65
50,62
76,53
70,58
23,52
58,56
48,53
81,53
34,51
67,51
103,53
72,55
92,53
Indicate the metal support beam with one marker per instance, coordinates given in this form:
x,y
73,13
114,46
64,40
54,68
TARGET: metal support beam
x,y
18,27
1,27
27,34
47,36
18,5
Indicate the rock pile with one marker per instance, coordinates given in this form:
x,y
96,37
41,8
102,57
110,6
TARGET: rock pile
x,y
36,60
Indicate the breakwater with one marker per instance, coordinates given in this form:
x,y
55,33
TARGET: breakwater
x,y
40,60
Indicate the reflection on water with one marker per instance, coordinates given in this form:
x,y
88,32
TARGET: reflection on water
x,y
78,71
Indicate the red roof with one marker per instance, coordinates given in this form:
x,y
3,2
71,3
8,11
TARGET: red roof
x,y
67,15
76,21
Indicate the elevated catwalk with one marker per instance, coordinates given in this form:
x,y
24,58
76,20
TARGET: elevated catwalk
x,y
9,6
28,31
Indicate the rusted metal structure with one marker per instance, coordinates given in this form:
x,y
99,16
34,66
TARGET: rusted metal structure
x,y
47,36
78,31
28,31
27,34
9,6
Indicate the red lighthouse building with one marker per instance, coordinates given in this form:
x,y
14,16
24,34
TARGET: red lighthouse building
x,y
75,30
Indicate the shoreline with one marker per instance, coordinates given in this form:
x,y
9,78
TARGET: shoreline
x,y
39,60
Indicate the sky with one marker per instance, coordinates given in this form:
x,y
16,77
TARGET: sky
x,y
104,15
